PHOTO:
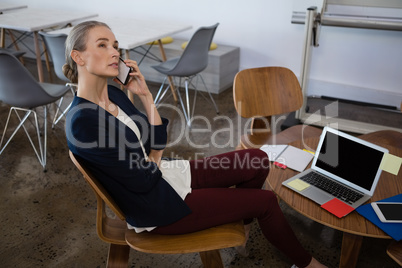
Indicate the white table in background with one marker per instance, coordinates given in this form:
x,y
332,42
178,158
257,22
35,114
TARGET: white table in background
x,y
4,7
8,7
34,20
132,32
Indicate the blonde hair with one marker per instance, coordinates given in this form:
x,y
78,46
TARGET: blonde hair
x,y
77,40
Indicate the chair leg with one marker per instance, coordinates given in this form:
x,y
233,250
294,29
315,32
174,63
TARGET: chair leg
x,y
28,112
159,97
41,155
186,116
118,256
57,119
209,93
188,103
211,259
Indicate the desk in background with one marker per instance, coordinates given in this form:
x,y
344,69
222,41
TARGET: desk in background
x,y
133,33
34,20
9,7
4,7
354,226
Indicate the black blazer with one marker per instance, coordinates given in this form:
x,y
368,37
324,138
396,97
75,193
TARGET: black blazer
x,y
111,151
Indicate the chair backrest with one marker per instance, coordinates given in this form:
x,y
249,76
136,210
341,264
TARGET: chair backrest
x,y
195,56
266,91
17,85
97,187
55,45
110,230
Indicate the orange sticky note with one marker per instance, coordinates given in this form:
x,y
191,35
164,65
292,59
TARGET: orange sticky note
x,y
337,207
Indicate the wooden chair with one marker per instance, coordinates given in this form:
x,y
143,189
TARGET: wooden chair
x,y
394,250
114,231
260,93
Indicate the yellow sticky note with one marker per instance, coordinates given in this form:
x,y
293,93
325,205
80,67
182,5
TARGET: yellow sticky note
x,y
298,184
391,163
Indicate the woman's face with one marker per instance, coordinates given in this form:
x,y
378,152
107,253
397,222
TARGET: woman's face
x,y
101,57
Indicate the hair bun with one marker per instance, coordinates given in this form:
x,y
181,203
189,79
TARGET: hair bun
x,y
70,73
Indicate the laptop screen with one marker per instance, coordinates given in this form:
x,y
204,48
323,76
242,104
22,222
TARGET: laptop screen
x,y
350,160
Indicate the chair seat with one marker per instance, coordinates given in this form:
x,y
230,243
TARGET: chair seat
x,y
166,66
223,236
16,53
55,90
50,93
294,133
164,40
112,231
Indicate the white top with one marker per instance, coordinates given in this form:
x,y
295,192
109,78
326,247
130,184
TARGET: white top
x,y
175,172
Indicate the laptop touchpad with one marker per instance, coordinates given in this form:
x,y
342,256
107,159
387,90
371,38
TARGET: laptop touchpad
x,y
317,195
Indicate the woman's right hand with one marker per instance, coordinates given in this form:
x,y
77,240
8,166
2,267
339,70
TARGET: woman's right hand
x,y
137,84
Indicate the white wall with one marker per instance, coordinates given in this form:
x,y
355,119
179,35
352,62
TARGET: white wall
x,y
263,31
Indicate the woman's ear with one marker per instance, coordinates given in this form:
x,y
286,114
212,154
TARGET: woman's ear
x,y
75,55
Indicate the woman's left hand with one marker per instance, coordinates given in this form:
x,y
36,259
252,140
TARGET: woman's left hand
x,y
137,84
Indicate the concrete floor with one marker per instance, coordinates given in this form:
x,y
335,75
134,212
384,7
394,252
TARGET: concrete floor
x,y
48,218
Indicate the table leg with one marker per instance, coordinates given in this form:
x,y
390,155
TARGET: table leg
x,y
351,245
15,44
172,87
47,61
2,38
38,58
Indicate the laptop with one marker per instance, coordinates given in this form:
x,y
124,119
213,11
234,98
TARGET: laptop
x,y
344,167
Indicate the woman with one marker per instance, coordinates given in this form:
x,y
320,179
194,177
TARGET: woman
x,y
123,148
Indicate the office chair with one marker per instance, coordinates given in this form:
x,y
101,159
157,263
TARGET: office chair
x,y
188,66
19,89
260,93
115,232
55,46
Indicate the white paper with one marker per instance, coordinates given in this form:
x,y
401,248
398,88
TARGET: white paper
x,y
273,151
295,158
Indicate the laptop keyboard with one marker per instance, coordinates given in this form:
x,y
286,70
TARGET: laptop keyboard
x,y
341,192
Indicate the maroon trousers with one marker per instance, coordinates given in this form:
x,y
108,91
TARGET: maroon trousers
x,y
213,203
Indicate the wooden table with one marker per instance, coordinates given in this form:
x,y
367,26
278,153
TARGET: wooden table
x,y
34,20
354,226
132,32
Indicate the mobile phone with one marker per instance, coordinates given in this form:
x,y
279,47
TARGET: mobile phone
x,y
124,72
388,211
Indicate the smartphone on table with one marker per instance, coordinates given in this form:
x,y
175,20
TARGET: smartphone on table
x,y
388,212
124,72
